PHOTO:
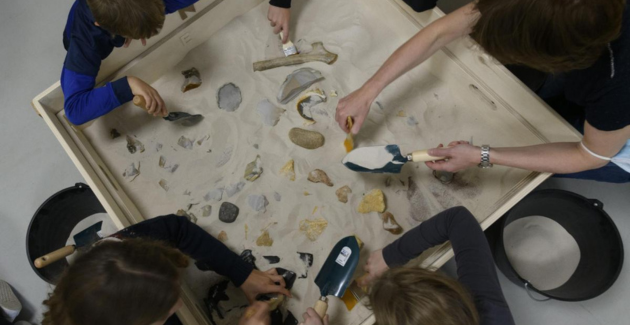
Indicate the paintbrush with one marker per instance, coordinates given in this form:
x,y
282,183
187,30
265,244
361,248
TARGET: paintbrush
x,y
349,142
288,48
355,293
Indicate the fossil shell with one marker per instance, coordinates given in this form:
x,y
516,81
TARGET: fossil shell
x,y
298,81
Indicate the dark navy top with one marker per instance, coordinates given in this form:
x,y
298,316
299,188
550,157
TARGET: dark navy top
x,y
475,265
87,45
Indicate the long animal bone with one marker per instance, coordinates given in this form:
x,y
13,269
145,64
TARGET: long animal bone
x,y
319,53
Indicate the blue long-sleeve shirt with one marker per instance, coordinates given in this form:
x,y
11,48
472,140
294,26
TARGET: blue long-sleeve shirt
x,y
87,45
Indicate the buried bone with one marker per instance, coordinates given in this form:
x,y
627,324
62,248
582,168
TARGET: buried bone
x,y
298,81
134,145
229,97
319,176
318,53
313,228
253,170
192,79
306,139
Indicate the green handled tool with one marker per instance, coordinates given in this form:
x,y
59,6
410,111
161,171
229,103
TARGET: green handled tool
x,y
336,273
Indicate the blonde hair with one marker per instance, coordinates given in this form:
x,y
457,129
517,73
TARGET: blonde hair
x,y
415,296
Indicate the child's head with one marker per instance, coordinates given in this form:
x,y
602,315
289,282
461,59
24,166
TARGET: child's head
x,y
133,282
410,296
134,19
548,35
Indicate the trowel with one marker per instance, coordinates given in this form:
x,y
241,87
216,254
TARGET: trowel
x,y
383,159
182,118
83,239
336,273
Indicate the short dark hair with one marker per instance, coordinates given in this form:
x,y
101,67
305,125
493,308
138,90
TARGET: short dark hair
x,y
133,282
129,18
548,35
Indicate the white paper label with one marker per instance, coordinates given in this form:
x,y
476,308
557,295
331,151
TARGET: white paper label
x,y
344,256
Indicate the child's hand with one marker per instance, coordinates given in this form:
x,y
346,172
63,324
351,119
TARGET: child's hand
x,y
374,268
264,282
311,318
256,314
128,41
154,103
279,18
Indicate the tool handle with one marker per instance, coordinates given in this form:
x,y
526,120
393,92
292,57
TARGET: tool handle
x,y
54,256
321,307
423,156
140,102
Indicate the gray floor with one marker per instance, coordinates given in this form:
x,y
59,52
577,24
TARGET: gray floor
x,y
33,166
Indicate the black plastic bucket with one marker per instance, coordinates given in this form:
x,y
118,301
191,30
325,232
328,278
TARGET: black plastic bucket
x,y
599,242
53,223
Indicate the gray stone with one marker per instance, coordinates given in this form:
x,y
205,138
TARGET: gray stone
x,y
234,188
257,202
298,81
228,212
229,97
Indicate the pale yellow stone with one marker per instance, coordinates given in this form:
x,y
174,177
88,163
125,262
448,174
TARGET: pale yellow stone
x,y
264,239
313,228
372,202
402,114
288,170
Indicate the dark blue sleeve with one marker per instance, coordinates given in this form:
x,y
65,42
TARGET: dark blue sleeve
x,y
83,102
421,5
475,265
280,3
173,5
190,239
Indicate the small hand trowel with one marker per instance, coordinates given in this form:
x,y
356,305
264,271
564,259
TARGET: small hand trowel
x,y
336,273
182,118
383,159
83,239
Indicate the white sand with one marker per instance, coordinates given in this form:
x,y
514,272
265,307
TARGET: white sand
x,y
363,33
541,251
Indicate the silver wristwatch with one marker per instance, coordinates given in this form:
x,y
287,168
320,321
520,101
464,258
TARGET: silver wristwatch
x,y
485,157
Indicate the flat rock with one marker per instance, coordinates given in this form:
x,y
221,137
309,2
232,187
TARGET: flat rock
x,y
342,193
313,228
223,237
374,201
288,170
319,176
253,170
306,139
229,97
390,224
269,113
264,239
206,211
215,195
234,188
257,202
298,81
228,212
132,172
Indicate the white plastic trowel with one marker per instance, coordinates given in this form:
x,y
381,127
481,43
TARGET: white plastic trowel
x,y
383,159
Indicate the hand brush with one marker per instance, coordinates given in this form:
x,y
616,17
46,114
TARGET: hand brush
x,y
349,142
288,48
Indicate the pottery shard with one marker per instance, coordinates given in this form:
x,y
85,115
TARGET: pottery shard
x,y
223,237
342,193
253,170
264,239
257,202
229,97
206,210
216,194
269,113
374,201
313,228
192,81
319,176
184,142
306,139
298,81
228,212
288,170
390,224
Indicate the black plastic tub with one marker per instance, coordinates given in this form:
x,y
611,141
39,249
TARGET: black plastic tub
x,y
53,223
601,248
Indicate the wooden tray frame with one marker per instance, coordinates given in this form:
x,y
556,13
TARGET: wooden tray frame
x,y
492,79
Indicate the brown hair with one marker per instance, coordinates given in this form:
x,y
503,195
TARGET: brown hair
x,y
548,35
133,282
129,18
411,296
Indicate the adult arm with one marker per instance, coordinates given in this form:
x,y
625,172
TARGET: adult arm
x,y
279,16
415,51
475,265
193,241
559,157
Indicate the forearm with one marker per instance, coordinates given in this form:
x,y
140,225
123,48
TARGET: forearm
x,y
557,158
420,47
